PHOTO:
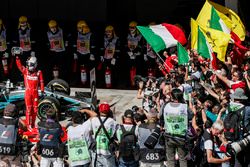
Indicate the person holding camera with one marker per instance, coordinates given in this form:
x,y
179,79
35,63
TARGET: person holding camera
x,y
9,138
127,141
103,129
214,155
50,145
174,119
238,108
79,141
152,149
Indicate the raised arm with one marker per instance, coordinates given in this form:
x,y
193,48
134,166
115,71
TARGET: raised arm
x,y
19,64
224,79
211,92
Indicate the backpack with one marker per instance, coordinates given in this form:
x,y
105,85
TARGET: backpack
x,y
232,126
127,144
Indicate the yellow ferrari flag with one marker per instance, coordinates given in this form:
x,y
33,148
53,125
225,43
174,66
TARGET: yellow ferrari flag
x,y
227,17
194,34
217,39
237,26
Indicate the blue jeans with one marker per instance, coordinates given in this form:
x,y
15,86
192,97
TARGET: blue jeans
x,y
86,165
123,163
103,160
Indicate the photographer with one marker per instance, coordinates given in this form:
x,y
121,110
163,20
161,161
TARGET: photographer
x,y
103,129
9,138
152,149
238,108
50,145
174,119
211,145
247,79
79,140
127,141
149,94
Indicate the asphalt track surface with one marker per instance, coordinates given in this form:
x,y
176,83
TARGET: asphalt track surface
x,y
123,99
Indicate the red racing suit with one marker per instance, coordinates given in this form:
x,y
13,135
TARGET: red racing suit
x,y
31,82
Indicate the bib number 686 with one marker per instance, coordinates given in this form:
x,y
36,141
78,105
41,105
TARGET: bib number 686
x,y
152,156
47,152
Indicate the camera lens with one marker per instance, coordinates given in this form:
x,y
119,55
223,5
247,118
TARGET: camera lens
x,y
152,140
235,147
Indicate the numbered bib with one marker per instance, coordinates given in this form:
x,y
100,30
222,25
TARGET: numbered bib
x,y
3,46
49,152
132,44
109,53
78,150
25,44
83,46
152,156
7,149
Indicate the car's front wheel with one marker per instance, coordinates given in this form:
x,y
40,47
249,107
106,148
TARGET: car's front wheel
x,y
46,104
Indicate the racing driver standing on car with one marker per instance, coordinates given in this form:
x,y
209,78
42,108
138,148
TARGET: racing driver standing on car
x,y
32,78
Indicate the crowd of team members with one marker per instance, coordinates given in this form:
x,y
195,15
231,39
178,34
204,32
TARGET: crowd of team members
x,y
68,52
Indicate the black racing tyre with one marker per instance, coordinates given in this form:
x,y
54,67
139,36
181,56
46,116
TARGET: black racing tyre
x,y
59,85
47,103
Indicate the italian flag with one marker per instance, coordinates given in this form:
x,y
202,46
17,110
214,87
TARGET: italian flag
x,y
183,57
162,36
204,49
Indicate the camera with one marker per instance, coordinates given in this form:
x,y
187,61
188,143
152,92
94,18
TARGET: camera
x,y
153,139
235,147
25,150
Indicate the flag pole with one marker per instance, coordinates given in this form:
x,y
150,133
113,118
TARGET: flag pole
x,y
162,61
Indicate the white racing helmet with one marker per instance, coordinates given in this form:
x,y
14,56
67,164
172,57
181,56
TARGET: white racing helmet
x,y
31,63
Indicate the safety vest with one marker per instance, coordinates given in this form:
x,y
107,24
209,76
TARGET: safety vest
x,y
50,141
8,136
102,141
56,41
147,155
150,52
109,46
83,43
24,39
133,41
175,119
3,45
78,145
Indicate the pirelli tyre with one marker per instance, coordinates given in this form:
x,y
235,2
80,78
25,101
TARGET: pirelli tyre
x,y
48,103
59,85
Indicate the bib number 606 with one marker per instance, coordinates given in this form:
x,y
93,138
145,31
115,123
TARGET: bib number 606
x,y
47,152
152,156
